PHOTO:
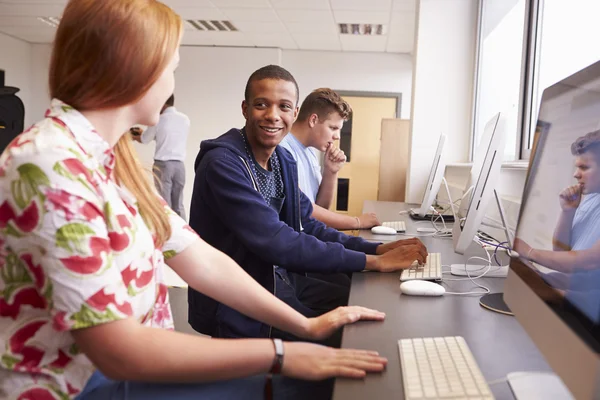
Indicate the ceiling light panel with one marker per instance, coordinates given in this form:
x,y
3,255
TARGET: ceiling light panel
x,y
211,26
363,29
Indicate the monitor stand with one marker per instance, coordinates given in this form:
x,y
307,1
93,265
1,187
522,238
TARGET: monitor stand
x,y
476,270
495,301
534,385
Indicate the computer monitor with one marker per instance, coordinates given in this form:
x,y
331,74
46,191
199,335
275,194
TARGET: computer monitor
x,y
553,287
435,178
482,179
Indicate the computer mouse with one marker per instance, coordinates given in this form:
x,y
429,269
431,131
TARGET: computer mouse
x,y
421,288
383,230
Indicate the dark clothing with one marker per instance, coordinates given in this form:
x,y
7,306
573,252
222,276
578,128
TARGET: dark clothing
x,y
251,388
230,214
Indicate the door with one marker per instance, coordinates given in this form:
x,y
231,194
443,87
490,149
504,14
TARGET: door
x,y
393,165
358,180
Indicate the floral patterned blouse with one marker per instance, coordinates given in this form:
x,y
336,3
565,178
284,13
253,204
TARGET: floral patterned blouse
x,y
74,253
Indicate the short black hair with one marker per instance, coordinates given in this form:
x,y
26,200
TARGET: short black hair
x,y
170,101
271,72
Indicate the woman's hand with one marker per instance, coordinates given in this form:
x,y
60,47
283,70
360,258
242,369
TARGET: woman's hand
x,y
325,325
570,198
315,362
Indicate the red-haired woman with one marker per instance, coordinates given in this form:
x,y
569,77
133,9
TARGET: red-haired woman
x,y
84,240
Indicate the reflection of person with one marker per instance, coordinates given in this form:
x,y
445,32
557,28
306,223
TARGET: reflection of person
x,y
319,123
576,240
84,238
246,203
170,135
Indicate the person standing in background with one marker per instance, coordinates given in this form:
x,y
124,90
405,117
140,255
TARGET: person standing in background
x,y
170,135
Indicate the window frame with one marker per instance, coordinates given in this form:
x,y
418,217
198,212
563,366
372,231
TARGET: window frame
x,y
528,83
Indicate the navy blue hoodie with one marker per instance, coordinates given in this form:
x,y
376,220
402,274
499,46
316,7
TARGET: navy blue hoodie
x,y
230,214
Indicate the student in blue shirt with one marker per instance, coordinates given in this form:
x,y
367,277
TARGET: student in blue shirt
x,y
319,124
246,202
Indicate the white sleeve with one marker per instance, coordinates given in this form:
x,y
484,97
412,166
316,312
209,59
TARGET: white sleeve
x,y
149,134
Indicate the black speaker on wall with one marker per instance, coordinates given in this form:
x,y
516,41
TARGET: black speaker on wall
x,y
12,113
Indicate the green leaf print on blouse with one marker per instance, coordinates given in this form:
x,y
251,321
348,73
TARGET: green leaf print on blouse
x,y
14,274
87,253
73,238
31,177
169,253
8,361
75,170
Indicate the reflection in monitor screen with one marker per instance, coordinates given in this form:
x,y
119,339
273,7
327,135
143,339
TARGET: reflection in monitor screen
x,y
558,234
559,230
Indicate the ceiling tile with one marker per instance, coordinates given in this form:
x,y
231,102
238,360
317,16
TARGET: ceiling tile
x,y
318,42
198,38
251,14
217,39
404,5
34,2
362,5
305,24
32,10
307,16
312,28
401,34
362,17
200,13
301,5
20,21
263,27
363,43
189,3
241,3
280,41
22,31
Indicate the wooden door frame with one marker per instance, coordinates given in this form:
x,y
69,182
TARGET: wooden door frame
x,y
387,95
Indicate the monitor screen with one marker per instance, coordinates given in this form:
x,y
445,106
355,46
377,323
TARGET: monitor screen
x,y
486,166
435,177
558,233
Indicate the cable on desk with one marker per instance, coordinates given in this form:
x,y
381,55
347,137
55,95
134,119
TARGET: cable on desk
x,y
473,278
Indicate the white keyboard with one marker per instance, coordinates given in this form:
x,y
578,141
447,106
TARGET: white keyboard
x,y
399,226
430,271
441,368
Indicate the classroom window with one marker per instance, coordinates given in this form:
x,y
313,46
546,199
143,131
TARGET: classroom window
x,y
567,35
499,69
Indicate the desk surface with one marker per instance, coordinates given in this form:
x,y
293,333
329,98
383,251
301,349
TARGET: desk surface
x,y
497,341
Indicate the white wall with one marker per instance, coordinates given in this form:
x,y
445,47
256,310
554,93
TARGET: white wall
x,y
40,64
442,86
16,62
367,72
210,84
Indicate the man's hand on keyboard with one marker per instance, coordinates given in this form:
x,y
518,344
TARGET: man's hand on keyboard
x,y
399,258
384,248
325,325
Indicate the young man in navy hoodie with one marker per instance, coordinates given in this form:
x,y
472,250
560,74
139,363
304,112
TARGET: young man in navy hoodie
x,y
246,202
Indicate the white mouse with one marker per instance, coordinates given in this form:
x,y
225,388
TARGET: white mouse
x,y
383,230
421,288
